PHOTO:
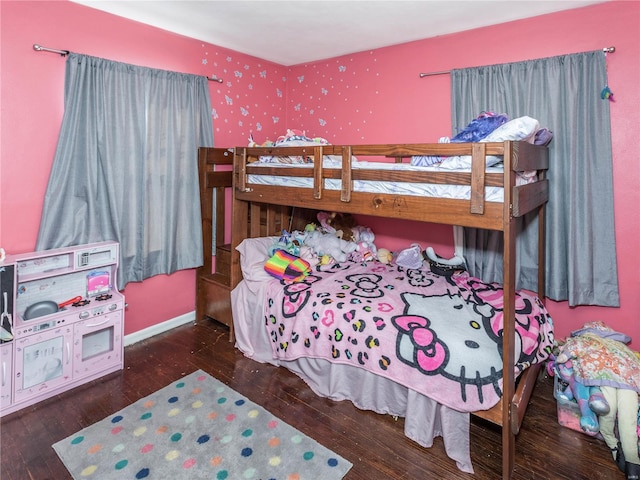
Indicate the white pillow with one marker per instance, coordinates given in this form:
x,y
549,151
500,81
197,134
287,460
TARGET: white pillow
x,y
521,128
254,252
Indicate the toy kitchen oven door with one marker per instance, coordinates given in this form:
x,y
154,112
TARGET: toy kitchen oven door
x,y
68,323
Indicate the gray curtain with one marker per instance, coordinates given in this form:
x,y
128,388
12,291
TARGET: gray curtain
x,y
125,167
564,94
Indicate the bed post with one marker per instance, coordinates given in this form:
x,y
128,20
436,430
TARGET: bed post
x,y
509,287
212,287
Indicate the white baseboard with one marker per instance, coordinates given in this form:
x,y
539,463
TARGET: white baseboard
x,y
158,328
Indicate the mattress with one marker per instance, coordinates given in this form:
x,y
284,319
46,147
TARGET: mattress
x,y
492,194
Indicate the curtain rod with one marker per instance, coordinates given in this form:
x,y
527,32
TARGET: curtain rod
x,y
446,72
64,53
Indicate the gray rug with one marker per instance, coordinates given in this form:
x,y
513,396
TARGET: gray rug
x,y
197,427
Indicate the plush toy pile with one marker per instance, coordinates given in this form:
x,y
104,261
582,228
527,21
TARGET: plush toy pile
x,y
603,377
335,239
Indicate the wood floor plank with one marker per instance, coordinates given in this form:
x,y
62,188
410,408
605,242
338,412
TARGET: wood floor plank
x,y
374,443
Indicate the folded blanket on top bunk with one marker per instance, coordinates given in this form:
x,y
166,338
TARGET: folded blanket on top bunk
x,y
293,138
436,335
488,127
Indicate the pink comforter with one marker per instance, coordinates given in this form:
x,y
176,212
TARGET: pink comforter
x,y
440,337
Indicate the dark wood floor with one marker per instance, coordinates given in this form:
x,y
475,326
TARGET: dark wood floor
x,y
375,444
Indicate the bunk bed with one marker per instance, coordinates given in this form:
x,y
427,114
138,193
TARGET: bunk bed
x,y
266,195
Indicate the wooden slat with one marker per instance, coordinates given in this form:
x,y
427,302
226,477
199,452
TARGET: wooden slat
x,y
218,179
441,177
529,196
318,177
347,180
526,156
478,168
424,209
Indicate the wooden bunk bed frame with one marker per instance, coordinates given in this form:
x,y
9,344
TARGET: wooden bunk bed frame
x,y
260,210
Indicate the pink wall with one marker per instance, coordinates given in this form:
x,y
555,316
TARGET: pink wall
x,y
377,96
32,107
367,97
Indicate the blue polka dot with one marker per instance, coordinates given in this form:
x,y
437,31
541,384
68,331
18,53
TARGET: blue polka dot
x,y
117,418
203,439
332,462
239,402
173,400
143,473
246,452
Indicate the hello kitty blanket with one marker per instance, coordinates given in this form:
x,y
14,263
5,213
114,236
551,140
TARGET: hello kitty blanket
x,y
438,336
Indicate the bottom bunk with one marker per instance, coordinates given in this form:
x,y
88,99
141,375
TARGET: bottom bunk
x,y
372,319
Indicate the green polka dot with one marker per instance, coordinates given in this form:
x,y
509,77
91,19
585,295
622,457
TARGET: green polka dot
x,y
77,440
249,473
247,433
307,455
121,464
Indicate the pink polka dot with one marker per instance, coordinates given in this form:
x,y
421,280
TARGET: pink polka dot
x,y
231,417
272,424
116,430
190,462
147,448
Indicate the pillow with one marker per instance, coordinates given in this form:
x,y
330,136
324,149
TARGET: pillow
x,y
254,252
521,128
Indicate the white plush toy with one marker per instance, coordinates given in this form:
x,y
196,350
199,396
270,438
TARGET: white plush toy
x,y
328,244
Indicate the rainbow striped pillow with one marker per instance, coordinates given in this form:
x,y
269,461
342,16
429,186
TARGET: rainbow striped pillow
x,y
285,266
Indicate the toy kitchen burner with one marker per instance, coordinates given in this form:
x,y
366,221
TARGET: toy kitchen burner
x,y
68,321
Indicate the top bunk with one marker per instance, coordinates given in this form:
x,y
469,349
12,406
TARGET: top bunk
x,y
481,185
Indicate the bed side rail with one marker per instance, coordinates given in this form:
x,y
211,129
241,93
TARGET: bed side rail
x,y
517,156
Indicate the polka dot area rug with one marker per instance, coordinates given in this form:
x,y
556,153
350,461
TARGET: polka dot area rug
x,y
197,427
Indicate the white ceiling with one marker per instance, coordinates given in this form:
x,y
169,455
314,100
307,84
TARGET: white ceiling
x,y
293,32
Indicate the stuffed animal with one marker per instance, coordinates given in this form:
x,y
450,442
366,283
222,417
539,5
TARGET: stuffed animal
x,y
253,143
601,358
589,399
384,256
328,244
342,224
364,237
363,253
